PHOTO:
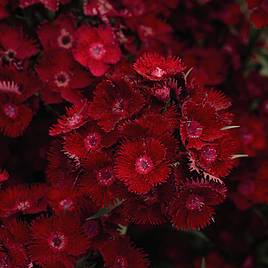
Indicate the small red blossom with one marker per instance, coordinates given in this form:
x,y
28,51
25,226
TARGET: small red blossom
x,y
121,253
15,45
114,102
58,34
142,164
23,200
60,237
96,49
62,74
194,206
156,67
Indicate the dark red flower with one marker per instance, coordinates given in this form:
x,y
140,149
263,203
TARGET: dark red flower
x,y
120,253
156,67
15,45
60,238
23,199
58,34
62,74
13,240
96,49
215,159
193,208
142,164
75,117
88,139
99,180
114,102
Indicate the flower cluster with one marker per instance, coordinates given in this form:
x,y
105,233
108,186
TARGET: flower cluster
x,y
120,117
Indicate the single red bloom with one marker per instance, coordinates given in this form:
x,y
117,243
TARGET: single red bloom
x,y
52,5
142,164
96,49
64,198
99,180
62,74
89,138
156,67
14,118
57,239
58,34
200,124
121,253
114,102
193,207
75,117
15,45
215,158
22,199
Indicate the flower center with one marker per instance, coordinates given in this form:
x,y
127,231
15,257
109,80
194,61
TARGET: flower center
x,y
65,40
157,72
62,79
92,141
97,51
162,93
144,165
74,120
57,241
194,129
209,154
66,204
11,110
120,262
195,202
105,176
23,205
10,55
118,106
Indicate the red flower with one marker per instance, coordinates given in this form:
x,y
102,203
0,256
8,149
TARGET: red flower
x,y
52,5
121,253
58,34
22,199
200,123
258,12
15,45
215,159
88,139
75,117
99,180
142,164
57,239
96,48
193,207
114,102
64,198
62,74
156,67
13,239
